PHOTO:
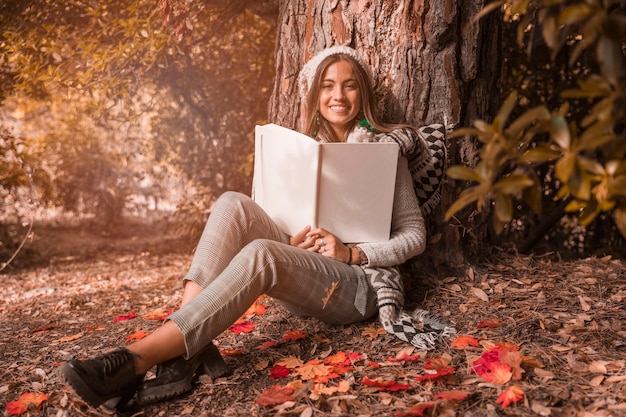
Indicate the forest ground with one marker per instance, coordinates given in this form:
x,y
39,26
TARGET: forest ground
x,y
66,292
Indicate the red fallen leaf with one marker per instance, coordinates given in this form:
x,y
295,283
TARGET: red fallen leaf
x,y
372,364
26,402
160,315
138,335
341,369
498,373
125,317
343,358
465,341
275,395
385,385
293,336
491,323
511,395
266,345
481,365
279,371
43,328
239,328
417,409
453,395
232,352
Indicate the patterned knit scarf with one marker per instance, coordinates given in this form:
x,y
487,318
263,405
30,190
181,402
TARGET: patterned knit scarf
x,y
421,329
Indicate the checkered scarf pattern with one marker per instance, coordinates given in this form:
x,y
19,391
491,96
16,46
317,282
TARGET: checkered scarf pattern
x,y
420,328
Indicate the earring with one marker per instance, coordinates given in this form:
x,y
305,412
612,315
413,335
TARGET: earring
x,y
316,121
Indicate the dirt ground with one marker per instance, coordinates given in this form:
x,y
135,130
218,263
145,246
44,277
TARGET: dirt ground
x,y
568,318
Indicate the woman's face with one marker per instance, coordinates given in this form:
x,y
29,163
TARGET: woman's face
x,y
340,98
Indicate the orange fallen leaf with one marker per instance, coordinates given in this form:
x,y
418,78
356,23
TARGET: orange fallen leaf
x,y
267,345
385,385
373,332
312,369
160,315
465,341
69,338
232,352
294,335
491,323
498,373
138,335
275,395
511,395
27,402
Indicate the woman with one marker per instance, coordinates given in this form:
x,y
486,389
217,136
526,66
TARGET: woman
x,y
242,254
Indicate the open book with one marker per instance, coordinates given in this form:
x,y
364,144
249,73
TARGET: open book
x,y
345,188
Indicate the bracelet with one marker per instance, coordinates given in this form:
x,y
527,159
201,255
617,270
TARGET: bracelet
x,y
362,256
350,255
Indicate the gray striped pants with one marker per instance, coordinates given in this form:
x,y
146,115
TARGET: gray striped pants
x,y
242,254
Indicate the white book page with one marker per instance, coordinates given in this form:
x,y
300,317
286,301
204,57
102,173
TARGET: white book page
x,y
357,189
285,178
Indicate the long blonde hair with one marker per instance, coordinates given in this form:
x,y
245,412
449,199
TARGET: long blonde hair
x,y
317,127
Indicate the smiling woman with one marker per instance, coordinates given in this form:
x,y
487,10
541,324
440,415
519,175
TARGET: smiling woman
x,y
243,254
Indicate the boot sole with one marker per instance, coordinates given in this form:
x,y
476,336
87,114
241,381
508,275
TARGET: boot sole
x,y
77,385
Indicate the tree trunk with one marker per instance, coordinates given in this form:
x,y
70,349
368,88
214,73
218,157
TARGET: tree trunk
x,y
427,68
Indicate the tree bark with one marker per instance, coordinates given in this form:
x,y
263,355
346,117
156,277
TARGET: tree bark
x,y
427,68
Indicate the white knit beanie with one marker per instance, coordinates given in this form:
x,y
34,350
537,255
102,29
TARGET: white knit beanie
x,y
305,79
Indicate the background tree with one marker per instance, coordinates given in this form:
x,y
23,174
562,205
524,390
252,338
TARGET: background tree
x,y
426,68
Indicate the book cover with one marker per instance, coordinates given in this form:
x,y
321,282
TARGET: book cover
x,y
345,188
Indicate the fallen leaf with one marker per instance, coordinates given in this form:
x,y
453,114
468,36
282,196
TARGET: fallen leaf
x,y
417,410
27,402
69,338
294,335
138,335
279,371
511,395
124,317
245,327
160,314
373,332
491,323
480,294
43,328
329,293
267,345
275,395
385,385
454,395
312,369
498,373
465,341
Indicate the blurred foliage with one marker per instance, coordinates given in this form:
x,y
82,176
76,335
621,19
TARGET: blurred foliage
x,y
114,108
560,133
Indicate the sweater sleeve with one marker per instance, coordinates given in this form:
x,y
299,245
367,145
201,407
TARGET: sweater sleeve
x,y
412,144
408,232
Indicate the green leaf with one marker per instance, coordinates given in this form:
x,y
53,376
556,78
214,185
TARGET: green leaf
x,y
617,186
460,172
529,117
532,195
564,167
589,212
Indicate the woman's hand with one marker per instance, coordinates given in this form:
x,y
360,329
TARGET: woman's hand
x,y
329,245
